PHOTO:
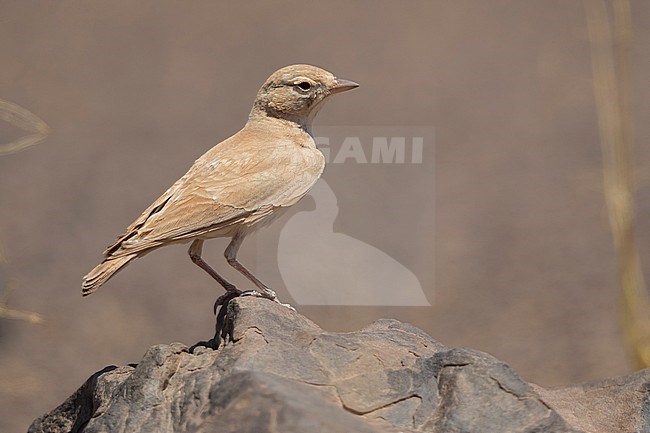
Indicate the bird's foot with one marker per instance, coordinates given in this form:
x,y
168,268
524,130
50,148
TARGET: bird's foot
x,y
224,323
289,306
267,294
223,327
226,298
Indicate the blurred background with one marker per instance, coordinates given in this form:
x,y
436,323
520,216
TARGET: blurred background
x,y
520,260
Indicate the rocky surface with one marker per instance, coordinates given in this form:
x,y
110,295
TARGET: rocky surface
x,y
282,373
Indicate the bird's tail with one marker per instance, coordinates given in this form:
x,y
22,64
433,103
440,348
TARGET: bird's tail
x,y
103,272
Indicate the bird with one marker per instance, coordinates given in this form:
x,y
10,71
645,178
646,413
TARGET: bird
x,y
241,184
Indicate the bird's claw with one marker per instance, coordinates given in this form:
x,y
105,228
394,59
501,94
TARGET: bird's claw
x,y
271,296
286,305
225,299
252,293
224,325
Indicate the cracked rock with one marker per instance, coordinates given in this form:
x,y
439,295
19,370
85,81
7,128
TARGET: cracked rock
x,y
282,373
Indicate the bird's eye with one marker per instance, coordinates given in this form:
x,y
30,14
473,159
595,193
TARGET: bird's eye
x,y
304,85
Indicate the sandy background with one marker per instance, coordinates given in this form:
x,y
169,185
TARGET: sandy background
x,y
135,91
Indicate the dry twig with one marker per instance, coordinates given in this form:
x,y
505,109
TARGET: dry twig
x,y
610,53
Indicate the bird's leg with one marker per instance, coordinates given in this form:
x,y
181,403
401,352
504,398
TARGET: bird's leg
x,y
195,255
222,330
231,257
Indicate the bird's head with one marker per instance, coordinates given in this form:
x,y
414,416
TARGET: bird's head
x,y
297,92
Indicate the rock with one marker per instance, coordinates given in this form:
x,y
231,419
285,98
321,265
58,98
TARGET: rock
x,y
282,373
619,404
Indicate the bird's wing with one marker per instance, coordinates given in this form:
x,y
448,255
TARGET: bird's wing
x,y
242,178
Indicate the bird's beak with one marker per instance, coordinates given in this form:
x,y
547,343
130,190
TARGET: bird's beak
x,y
343,85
